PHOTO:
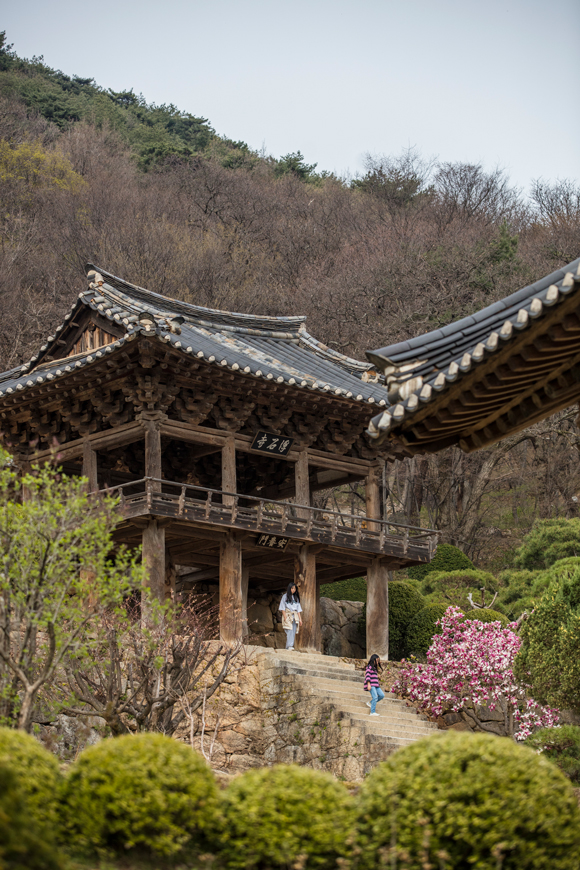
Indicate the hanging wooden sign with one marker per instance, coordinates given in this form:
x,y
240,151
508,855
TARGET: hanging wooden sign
x,y
267,442
272,542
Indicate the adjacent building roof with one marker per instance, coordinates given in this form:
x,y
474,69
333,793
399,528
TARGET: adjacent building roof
x,y
276,349
487,375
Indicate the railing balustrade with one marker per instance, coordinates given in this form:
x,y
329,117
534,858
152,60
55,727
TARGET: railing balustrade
x,y
187,501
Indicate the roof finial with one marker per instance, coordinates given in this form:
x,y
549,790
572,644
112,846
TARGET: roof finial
x,y
95,279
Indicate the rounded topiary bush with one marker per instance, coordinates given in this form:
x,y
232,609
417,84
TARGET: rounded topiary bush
x,y
37,772
405,601
485,614
468,800
421,629
286,816
24,844
562,746
446,558
142,790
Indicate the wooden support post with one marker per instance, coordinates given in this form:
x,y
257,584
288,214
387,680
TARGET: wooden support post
x,y
309,637
245,584
373,498
154,561
302,483
378,610
231,625
153,451
229,482
90,466
25,468
169,591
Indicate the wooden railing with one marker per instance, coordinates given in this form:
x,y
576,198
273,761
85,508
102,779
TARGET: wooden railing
x,y
264,516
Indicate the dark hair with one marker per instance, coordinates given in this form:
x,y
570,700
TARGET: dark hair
x,y
292,597
374,662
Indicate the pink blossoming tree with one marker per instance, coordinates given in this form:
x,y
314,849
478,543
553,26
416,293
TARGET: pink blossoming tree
x,y
471,664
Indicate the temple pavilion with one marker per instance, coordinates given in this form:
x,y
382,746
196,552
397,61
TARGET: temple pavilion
x,y
216,429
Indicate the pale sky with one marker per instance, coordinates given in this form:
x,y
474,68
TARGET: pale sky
x,y
459,80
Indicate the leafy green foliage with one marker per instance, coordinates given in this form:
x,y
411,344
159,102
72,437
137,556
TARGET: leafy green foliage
x,y
404,603
139,790
56,574
547,542
345,590
421,629
562,746
38,775
445,802
453,587
549,657
23,845
153,132
294,164
446,558
286,816
485,614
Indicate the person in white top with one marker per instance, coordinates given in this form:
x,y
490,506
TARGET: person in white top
x,y
291,614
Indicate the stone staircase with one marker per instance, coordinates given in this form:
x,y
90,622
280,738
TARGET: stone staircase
x,y
304,687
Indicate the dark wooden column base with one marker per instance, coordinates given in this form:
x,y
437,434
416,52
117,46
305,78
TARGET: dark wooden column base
x,y
231,597
309,637
378,610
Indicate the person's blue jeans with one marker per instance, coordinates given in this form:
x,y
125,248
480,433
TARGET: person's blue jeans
x,y
376,695
291,634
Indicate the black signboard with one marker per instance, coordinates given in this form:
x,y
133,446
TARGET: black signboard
x,y
277,445
272,542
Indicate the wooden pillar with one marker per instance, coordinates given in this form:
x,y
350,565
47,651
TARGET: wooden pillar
x,y
373,497
153,451
378,610
25,468
309,637
231,626
90,466
245,584
154,561
169,590
302,483
229,482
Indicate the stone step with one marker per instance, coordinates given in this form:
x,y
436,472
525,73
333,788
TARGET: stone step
x,y
393,714
388,730
346,697
297,655
328,673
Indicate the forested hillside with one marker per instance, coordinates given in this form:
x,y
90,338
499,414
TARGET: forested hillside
x,y
152,194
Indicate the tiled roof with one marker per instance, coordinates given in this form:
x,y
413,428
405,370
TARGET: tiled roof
x,y
277,349
420,370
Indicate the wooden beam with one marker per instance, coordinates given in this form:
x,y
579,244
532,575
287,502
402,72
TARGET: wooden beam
x,y
229,482
309,637
118,437
153,542
302,483
90,466
378,610
152,450
373,497
230,593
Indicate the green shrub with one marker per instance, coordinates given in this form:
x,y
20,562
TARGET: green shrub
x,y
23,844
549,657
286,816
421,629
345,590
562,746
547,542
139,790
404,603
446,558
485,614
37,772
458,800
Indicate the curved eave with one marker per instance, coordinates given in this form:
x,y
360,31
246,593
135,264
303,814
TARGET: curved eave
x,y
446,366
